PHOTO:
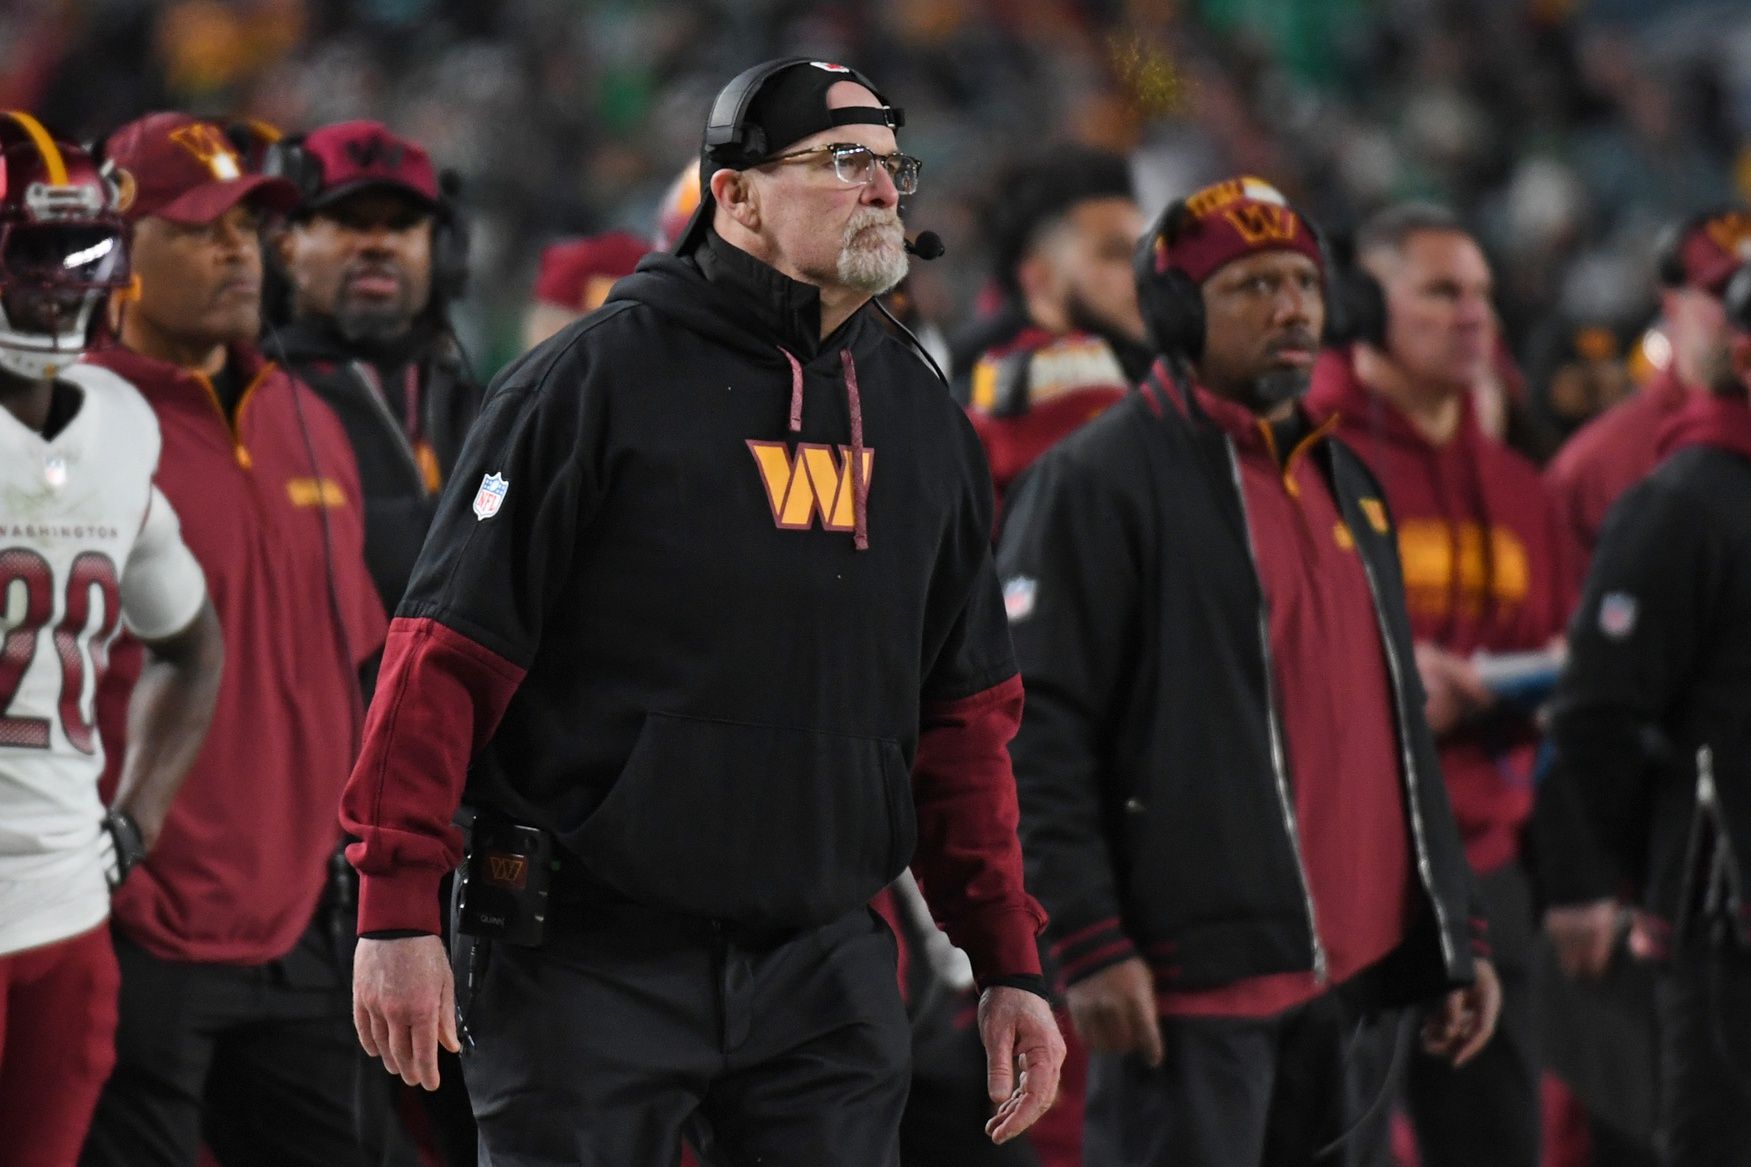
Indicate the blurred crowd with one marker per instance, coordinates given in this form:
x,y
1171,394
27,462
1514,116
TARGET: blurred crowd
x,y
1564,130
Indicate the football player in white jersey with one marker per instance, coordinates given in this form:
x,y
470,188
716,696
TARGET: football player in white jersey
x,y
86,542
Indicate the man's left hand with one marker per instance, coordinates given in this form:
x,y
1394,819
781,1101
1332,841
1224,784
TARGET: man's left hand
x,y
1024,1053
1466,1018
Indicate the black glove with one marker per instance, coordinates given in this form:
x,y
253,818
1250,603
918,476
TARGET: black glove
x,y
124,846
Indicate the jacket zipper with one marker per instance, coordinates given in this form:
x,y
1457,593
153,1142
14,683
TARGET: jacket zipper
x,y
388,419
1425,870
1720,894
1278,767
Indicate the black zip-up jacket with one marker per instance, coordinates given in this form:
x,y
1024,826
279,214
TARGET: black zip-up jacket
x,y
1144,648
665,623
1652,716
400,487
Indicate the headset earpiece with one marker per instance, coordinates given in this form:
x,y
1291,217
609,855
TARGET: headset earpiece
x,y
1172,305
1355,304
1737,299
450,243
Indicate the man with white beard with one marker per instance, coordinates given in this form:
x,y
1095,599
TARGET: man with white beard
x,y
703,680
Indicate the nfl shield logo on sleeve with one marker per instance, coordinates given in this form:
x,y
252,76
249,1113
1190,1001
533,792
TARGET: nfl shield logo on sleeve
x,y
1617,612
489,496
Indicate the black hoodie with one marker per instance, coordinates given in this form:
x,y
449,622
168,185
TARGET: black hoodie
x,y
405,450
726,675
1653,741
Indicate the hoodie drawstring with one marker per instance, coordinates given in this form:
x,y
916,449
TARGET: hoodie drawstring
x,y
859,485
854,403
796,391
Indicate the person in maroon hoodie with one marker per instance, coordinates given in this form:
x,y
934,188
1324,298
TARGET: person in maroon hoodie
x,y
233,1014
1621,447
1650,733
1485,572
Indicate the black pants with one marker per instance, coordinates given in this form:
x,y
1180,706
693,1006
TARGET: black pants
x,y
255,1061
1704,1004
597,1048
1245,1093
1488,1110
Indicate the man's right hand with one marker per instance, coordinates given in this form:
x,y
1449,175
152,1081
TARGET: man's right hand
x,y
404,1005
1114,1011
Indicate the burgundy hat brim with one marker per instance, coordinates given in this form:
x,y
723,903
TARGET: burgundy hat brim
x,y
208,201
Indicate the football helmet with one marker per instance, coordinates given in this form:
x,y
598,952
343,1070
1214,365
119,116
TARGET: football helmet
x,y
63,248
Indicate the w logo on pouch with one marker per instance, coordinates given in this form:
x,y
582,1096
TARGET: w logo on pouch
x,y
816,482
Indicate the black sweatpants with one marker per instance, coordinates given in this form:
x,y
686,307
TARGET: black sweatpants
x,y
1487,1111
1234,1092
1704,1002
256,1061
595,1049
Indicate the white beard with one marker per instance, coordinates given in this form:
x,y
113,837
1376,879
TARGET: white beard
x,y
877,262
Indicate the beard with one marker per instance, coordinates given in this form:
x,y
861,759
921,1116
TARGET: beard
x,y
1273,387
872,256
1133,355
375,321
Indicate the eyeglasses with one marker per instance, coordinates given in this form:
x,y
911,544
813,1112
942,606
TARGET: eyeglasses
x,y
855,165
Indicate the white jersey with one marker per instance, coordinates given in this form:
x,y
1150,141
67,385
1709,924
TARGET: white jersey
x,y
86,543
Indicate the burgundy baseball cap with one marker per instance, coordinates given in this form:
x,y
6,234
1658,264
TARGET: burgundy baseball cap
x,y
1711,249
349,157
1221,223
578,273
184,169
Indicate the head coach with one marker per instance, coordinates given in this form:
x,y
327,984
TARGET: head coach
x,y
707,639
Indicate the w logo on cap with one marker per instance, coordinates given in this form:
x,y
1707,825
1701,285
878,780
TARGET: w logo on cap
x,y
1261,223
368,153
210,148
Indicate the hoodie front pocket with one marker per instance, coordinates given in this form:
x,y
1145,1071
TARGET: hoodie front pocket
x,y
763,825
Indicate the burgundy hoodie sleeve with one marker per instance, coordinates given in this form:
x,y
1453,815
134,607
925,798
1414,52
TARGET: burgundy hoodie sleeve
x,y
439,697
968,860
969,855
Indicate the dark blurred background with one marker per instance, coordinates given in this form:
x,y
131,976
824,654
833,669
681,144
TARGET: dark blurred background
x,y
1565,131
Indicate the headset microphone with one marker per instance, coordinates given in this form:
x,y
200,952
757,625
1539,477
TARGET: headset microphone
x,y
927,246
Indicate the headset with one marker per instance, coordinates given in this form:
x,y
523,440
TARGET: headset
x,y
287,158
730,142
1737,299
1172,305
1356,306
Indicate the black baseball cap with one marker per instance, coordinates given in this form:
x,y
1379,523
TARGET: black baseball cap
x,y
765,110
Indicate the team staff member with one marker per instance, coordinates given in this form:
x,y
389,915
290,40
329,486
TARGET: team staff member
x,y
1651,742
233,1014
711,604
1231,803
1622,446
365,258
1063,232
1484,571
81,521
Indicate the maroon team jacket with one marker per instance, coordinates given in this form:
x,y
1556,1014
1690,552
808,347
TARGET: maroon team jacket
x,y
236,873
1487,566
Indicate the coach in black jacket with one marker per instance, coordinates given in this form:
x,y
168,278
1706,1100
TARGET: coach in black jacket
x,y
370,260
1231,803
1653,746
710,602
